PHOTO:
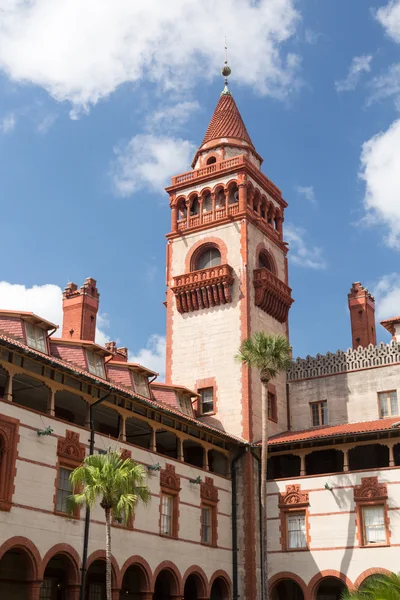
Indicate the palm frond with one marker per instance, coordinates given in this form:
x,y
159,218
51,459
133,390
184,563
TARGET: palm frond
x,y
377,587
269,353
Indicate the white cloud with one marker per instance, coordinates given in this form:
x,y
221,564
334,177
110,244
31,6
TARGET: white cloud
x,y
387,296
82,51
147,161
46,123
302,253
153,356
43,300
7,123
380,168
311,37
386,86
307,191
172,117
389,17
359,65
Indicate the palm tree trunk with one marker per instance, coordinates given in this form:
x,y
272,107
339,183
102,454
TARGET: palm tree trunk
x,y
108,553
264,458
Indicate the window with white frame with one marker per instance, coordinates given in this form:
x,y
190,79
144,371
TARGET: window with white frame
x,y
185,404
319,413
374,525
64,489
141,383
95,363
296,531
388,406
167,511
206,400
206,525
36,337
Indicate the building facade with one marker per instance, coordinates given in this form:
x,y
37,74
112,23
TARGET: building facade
x,y
334,449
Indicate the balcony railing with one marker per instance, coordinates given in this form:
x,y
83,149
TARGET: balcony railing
x,y
203,289
209,170
272,295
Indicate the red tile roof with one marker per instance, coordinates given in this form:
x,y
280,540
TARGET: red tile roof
x,y
388,324
330,431
227,122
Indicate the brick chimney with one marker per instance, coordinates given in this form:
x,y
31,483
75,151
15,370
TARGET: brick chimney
x,y
119,354
362,316
80,311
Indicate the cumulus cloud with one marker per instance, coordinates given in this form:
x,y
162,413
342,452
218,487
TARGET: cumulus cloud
x,y
307,191
387,296
389,17
302,253
172,117
43,300
386,85
46,123
82,51
7,123
147,161
380,168
153,355
359,65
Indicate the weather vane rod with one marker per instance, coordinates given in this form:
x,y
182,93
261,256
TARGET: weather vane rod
x,y
226,71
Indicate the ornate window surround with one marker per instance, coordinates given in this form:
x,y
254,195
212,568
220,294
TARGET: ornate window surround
x,y
71,453
209,499
370,493
293,500
170,485
9,437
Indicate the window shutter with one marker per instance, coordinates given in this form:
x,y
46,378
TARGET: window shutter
x,y
30,335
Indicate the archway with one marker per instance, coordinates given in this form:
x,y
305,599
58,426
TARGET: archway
x,y
330,588
287,589
134,583
59,576
96,581
166,585
219,589
16,573
194,588
370,579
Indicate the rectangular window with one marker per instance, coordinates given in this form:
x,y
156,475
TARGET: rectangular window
x,y
374,525
388,404
185,405
167,507
64,489
36,337
319,413
272,407
95,363
296,531
206,400
206,525
141,384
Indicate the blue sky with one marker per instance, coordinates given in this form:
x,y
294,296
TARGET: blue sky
x,y
101,103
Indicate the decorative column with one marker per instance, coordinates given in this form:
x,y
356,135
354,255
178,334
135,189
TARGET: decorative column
x,y
188,203
51,407
122,429
205,459
214,202
303,465
174,217
153,441
345,460
87,418
201,200
180,450
391,455
242,187
8,392
226,202
114,594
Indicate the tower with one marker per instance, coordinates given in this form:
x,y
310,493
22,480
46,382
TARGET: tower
x,y
227,275
362,316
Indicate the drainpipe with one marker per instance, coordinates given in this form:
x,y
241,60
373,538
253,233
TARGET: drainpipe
x,y
258,459
234,525
87,516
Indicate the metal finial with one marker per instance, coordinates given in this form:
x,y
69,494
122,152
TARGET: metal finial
x,y
226,71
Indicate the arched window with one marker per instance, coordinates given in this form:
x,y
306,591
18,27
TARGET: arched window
x,y
233,194
211,160
207,203
220,199
209,257
195,207
265,261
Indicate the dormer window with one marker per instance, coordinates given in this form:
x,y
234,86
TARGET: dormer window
x,y
95,363
36,337
185,405
141,384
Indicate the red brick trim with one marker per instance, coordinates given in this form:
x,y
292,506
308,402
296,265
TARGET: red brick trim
x,y
316,580
170,486
169,566
66,550
275,579
9,439
143,565
207,382
220,574
71,454
208,241
101,555
370,493
365,574
202,578
294,500
29,548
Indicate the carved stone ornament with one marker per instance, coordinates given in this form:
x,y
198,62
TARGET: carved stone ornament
x,y
293,497
370,489
272,295
203,289
208,491
169,479
70,447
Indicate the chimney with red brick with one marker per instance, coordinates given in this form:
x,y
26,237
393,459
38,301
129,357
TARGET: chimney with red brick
x,y
80,311
362,316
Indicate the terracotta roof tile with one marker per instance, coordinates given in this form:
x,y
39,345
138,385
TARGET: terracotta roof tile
x,y
333,431
227,122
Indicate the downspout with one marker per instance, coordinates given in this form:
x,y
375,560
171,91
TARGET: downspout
x,y
87,515
258,459
234,525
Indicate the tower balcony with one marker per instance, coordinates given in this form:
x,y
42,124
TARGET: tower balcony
x,y
203,289
272,295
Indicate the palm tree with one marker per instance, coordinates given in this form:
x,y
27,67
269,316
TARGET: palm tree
x,y
119,485
270,354
377,587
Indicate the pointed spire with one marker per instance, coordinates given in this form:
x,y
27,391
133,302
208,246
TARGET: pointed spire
x,y
226,122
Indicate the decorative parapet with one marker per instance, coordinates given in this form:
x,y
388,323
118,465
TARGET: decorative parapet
x,y
272,295
293,496
341,362
203,289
